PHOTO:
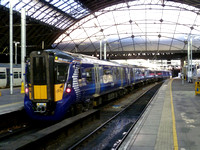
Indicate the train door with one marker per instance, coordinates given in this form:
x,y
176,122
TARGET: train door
x,y
16,77
137,75
97,79
128,76
42,77
122,76
8,76
60,76
3,80
146,74
88,81
131,75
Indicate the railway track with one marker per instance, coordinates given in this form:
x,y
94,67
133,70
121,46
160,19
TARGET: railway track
x,y
12,123
41,135
111,134
64,133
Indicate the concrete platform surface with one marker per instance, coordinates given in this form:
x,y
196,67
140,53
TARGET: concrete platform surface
x,y
8,102
172,120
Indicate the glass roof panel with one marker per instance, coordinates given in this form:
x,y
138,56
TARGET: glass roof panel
x,y
67,10
144,25
59,3
71,7
4,2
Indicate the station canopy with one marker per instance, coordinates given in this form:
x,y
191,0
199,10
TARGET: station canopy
x,y
139,26
58,13
125,27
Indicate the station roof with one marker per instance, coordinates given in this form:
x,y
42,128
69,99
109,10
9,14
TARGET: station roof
x,y
151,28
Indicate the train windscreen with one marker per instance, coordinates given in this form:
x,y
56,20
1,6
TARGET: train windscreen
x,y
39,71
61,71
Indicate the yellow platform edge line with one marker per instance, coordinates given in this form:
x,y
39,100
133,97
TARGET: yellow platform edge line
x,y
173,119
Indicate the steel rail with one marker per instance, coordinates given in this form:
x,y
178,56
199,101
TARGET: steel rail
x,y
108,121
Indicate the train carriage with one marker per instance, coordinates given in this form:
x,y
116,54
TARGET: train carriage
x,y
5,75
59,82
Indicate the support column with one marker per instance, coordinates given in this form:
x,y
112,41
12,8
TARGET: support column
x,y
183,71
23,47
105,51
11,48
100,50
182,61
189,73
42,45
16,51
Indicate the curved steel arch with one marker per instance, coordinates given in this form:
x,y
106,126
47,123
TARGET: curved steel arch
x,y
117,24
84,50
40,26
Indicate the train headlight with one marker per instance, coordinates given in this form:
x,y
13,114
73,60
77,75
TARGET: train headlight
x,y
68,90
26,90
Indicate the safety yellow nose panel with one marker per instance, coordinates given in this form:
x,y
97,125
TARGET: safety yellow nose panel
x,y
30,91
40,91
58,91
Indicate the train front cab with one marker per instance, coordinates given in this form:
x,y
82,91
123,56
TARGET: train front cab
x,y
46,86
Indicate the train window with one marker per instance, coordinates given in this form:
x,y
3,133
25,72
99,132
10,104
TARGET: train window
x,y
2,75
79,73
146,73
61,70
20,75
131,73
118,73
107,74
27,73
122,73
88,74
138,72
15,75
39,71
114,73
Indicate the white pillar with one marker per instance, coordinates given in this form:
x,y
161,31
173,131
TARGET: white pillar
x,y
23,42
105,51
100,51
42,44
188,53
191,55
11,47
16,51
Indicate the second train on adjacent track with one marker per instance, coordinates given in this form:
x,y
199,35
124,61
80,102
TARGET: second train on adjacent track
x,y
59,82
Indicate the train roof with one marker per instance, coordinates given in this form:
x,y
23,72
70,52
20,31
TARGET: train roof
x,y
82,58
90,59
7,65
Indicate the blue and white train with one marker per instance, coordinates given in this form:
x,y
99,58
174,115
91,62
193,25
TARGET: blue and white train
x,y
5,75
60,82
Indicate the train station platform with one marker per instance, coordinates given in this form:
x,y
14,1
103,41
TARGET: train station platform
x,y
10,103
171,121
